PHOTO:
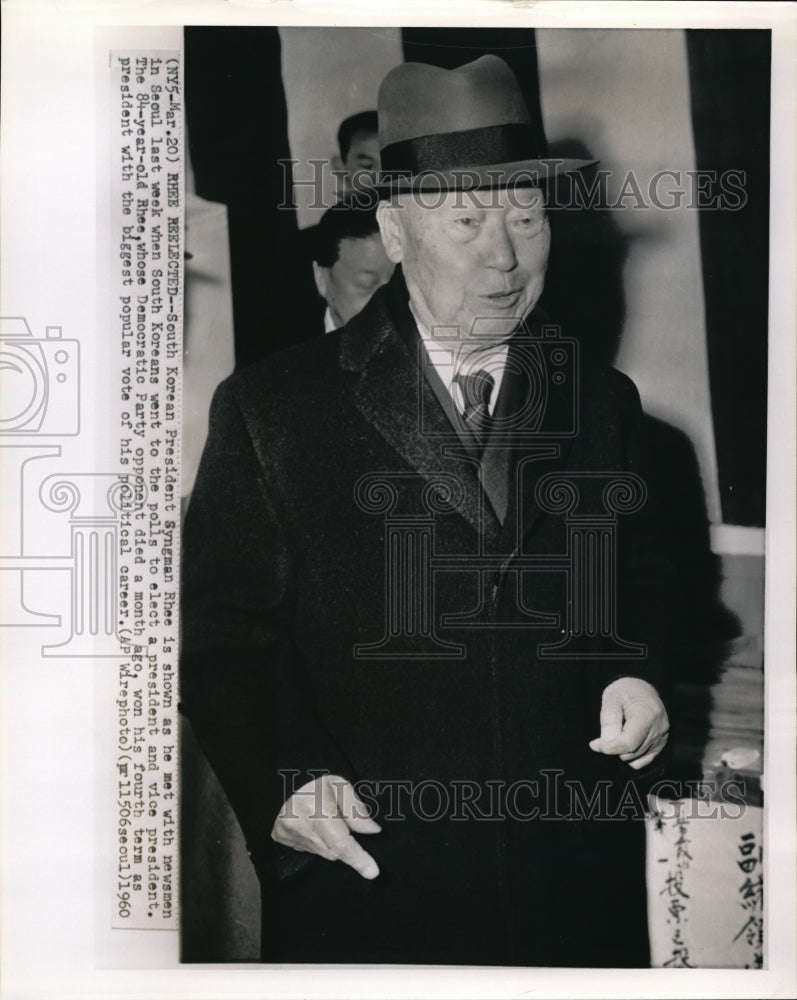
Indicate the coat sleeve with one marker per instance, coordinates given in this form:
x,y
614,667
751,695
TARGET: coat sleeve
x,y
645,573
241,676
646,577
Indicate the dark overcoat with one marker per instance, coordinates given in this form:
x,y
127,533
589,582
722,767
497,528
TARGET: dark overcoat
x,y
367,593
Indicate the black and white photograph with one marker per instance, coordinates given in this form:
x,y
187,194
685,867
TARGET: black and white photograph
x,y
397,443
473,561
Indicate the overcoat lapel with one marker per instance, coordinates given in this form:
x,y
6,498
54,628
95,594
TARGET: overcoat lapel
x,y
526,439
544,444
392,393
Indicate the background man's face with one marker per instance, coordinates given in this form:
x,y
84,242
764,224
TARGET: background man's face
x,y
362,160
362,267
475,260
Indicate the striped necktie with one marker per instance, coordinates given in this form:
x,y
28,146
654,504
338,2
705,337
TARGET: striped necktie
x,y
476,388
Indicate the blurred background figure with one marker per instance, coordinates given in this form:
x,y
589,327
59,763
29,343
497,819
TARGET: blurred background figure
x,y
358,143
349,261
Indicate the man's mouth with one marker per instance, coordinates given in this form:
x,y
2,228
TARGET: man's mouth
x,y
505,300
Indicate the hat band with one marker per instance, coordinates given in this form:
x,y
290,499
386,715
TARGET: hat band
x,y
472,147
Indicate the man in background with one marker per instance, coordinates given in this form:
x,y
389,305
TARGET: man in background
x,y
358,141
349,261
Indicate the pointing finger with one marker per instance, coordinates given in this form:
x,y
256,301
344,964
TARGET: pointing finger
x,y
350,853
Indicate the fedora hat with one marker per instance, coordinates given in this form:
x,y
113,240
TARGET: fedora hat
x,y
464,127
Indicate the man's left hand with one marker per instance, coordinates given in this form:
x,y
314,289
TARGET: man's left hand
x,y
634,722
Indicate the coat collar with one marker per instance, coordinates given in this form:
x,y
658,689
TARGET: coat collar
x,y
381,347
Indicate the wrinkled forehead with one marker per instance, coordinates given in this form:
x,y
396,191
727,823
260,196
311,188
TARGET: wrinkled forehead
x,y
506,199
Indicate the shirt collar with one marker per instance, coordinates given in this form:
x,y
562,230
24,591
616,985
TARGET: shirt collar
x,y
442,354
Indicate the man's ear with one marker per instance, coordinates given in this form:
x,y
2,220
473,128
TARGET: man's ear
x,y
387,215
321,276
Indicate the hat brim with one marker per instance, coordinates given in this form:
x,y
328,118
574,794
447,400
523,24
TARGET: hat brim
x,y
520,173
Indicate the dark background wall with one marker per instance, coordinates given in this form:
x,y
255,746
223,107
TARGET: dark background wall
x,y
729,78
237,133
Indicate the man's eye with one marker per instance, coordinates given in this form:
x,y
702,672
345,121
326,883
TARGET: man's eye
x,y
530,224
466,222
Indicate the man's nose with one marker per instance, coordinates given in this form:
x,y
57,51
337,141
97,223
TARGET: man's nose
x,y
499,251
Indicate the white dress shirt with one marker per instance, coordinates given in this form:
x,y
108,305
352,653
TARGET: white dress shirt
x,y
443,355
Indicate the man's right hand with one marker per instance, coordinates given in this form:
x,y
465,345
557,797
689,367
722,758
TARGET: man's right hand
x,y
320,818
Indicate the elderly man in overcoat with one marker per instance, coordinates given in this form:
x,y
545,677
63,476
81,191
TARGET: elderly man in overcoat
x,y
424,601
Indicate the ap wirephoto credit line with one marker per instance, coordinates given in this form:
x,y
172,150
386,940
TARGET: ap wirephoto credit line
x,y
145,168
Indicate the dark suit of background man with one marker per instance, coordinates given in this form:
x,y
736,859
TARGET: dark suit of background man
x,y
425,433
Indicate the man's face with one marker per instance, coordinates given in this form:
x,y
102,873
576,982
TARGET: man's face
x,y
362,160
362,267
474,260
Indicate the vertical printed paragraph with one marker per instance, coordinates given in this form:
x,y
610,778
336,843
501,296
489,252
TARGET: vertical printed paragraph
x,y
147,212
